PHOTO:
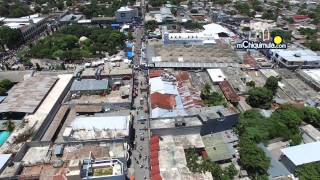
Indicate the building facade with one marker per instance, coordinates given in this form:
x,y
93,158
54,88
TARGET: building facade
x,y
126,15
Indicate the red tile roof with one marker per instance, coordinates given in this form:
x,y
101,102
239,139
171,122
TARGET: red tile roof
x,y
155,73
229,92
164,101
300,17
156,177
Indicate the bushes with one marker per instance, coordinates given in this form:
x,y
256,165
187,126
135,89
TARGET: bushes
x,y
260,97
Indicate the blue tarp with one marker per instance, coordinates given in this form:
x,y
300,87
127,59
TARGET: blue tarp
x,y
130,55
129,45
115,26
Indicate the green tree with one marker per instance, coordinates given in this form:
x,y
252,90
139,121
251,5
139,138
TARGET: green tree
x,y
252,157
251,84
308,171
9,37
260,97
272,84
242,7
311,115
9,125
3,91
231,171
6,84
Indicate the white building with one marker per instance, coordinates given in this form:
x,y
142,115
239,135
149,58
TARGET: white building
x,y
30,26
298,58
301,154
126,14
209,35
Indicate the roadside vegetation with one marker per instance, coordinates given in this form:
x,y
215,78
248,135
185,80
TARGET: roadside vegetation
x,y
65,44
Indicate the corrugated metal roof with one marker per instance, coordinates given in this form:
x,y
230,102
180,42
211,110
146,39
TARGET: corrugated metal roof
x,y
229,92
303,154
89,85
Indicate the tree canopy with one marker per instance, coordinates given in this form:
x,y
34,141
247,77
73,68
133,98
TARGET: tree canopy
x,y
65,45
9,37
5,85
260,97
211,98
272,84
252,157
308,171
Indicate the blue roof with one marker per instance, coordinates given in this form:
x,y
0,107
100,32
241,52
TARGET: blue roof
x,y
4,159
130,54
276,168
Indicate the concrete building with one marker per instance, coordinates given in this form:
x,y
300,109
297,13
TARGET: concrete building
x,y
89,86
311,77
103,169
97,127
30,26
297,58
126,14
295,156
208,36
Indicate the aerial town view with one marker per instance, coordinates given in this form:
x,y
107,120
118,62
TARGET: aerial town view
x,y
160,89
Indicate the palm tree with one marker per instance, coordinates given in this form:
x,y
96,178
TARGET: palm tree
x,y
9,125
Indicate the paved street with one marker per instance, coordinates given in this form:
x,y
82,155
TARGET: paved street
x,y
140,153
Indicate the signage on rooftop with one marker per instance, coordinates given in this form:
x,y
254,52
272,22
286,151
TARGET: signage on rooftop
x,y
277,43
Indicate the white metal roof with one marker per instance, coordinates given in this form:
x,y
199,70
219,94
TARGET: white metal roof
x,y
303,154
109,122
297,55
314,74
123,9
3,159
216,75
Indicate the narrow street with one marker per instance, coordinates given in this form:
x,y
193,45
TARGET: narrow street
x,y
140,153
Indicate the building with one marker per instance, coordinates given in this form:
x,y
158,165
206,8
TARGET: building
x,y
220,146
126,14
311,77
216,75
4,159
97,127
30,26
103,169
295,156
293,59
276,169
208,36
70,160
310,133
229,92
71,18
89,86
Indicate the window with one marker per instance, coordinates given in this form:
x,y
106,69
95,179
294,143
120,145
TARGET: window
x,y
123,14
